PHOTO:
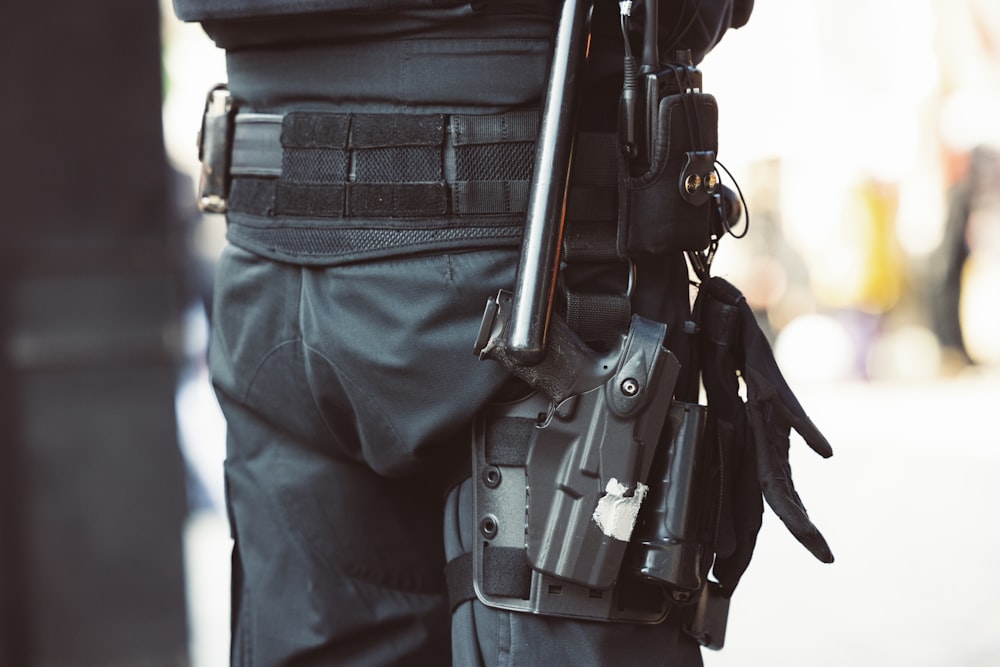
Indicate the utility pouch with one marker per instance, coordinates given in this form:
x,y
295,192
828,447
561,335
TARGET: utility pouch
x,y
214,151
667,543
709,617
669,207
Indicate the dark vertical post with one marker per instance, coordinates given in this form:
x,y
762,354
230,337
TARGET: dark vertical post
x,y
91,566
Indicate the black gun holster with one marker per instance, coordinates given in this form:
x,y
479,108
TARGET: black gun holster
x,y
558,486
590,506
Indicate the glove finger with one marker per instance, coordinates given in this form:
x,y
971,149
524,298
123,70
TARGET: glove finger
x,y
766,380
813,437
775,478
785,503
763,376
757,391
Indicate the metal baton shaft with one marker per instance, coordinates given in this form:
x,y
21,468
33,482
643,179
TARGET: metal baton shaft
x,y
535,282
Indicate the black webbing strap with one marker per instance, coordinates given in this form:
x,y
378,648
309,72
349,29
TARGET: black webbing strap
x,y
593,193
508,440
506,573
477,197
591,237
590,241
458,575
598,317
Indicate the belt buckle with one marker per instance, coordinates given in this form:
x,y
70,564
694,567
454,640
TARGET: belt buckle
x,y
214,150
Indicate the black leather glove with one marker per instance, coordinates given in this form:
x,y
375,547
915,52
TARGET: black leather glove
x,y
734,471
773,410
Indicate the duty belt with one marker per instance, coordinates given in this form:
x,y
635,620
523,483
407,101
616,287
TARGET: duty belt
x,y
323,188
382,165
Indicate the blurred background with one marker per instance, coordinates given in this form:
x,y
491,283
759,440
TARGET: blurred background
x,y
865,138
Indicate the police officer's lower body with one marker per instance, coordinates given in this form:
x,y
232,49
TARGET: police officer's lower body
x,y
329,377
349,387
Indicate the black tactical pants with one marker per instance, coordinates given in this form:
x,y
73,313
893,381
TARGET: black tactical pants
x,y
348,390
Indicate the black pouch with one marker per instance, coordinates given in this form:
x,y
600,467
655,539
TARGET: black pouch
x,y
669,207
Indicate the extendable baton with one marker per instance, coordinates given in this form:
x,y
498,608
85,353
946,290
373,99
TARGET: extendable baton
x,y
535,282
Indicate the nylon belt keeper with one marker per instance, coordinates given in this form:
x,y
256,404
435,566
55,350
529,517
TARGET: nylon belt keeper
x,y
598,317
589,241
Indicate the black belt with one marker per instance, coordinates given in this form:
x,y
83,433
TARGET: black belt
x,y
381,166
322,188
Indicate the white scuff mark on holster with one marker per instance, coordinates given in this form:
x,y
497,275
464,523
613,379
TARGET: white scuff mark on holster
x,y
616,513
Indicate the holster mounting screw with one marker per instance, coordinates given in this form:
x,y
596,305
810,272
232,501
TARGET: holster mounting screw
x,y
492,477
489,526
630,387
